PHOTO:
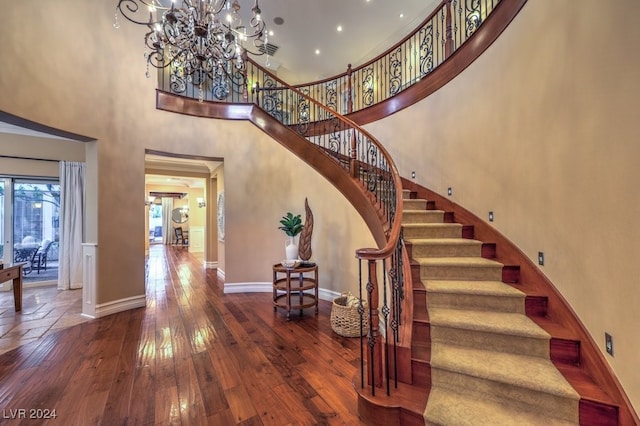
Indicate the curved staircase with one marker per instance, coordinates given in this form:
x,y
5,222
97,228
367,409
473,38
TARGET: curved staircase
x,y
475,345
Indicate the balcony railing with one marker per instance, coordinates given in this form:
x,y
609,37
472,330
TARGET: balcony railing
x,y
447,28
413,58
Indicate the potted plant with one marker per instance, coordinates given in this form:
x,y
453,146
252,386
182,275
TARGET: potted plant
x,y
292,226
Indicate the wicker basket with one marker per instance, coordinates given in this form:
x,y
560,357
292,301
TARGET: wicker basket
x,y
345,319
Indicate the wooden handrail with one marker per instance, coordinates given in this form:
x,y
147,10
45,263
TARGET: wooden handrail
x,y
394,231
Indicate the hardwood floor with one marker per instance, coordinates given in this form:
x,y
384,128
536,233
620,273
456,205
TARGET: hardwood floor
x,y
45,310
192,356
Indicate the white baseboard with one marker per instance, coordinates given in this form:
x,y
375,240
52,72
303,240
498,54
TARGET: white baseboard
x,y
229,288
248,287
104,309
221,274
210,265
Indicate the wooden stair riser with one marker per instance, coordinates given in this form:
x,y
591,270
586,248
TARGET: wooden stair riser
x,y
508,393
536,306
440,230
422,216
437,248
491,341
420,373
420,332
564,351
460,272
476,301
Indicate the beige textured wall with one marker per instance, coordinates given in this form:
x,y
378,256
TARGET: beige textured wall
x,y
84,76
27,146
543,130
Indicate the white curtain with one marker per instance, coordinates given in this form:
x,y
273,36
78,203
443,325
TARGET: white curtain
x,y
167,229
72,208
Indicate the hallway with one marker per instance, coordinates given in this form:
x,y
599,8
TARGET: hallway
x,y
192,356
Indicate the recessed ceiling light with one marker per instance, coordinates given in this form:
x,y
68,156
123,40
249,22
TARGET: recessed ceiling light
x,y
278,20
317,51
339,29
401,15
271,33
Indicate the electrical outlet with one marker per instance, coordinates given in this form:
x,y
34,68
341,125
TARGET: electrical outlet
x,y
540,258
490,216
608,343
413,175
449,191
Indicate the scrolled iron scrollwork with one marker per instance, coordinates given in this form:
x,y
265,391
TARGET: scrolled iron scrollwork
x,y
304,116
332,95
367,86
220,87
238,80
473,18
426,49
177,83
395,71
272,99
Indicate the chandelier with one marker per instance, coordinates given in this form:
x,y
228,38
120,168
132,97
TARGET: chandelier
x,y
201,40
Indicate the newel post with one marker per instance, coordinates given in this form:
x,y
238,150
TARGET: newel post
x,y
374,342
349,90
448,45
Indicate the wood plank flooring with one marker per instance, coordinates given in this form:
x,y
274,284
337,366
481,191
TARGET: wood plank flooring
x,y
193,356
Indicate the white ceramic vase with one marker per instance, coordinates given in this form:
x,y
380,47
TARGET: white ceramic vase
x,y
291,248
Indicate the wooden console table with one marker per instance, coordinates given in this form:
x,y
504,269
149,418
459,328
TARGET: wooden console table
x,y
292,288
14,272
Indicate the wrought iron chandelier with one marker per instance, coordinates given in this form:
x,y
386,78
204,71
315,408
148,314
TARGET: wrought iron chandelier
x,y
201,40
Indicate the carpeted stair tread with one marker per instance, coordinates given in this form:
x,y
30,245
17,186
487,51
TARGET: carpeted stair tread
x,y
485,288
492,296
524,371
444,247
446,407
422,216
459,268
444,241
432,230
493,322
459,261
414,204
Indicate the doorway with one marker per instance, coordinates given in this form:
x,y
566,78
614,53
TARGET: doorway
x,y
181,193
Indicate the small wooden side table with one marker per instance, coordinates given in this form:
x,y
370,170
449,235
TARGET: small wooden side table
x,y
14,272
295,288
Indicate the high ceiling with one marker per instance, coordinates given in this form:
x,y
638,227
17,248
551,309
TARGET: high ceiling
x,y
368,28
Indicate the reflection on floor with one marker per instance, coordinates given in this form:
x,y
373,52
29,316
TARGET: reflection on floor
x,y
44,310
